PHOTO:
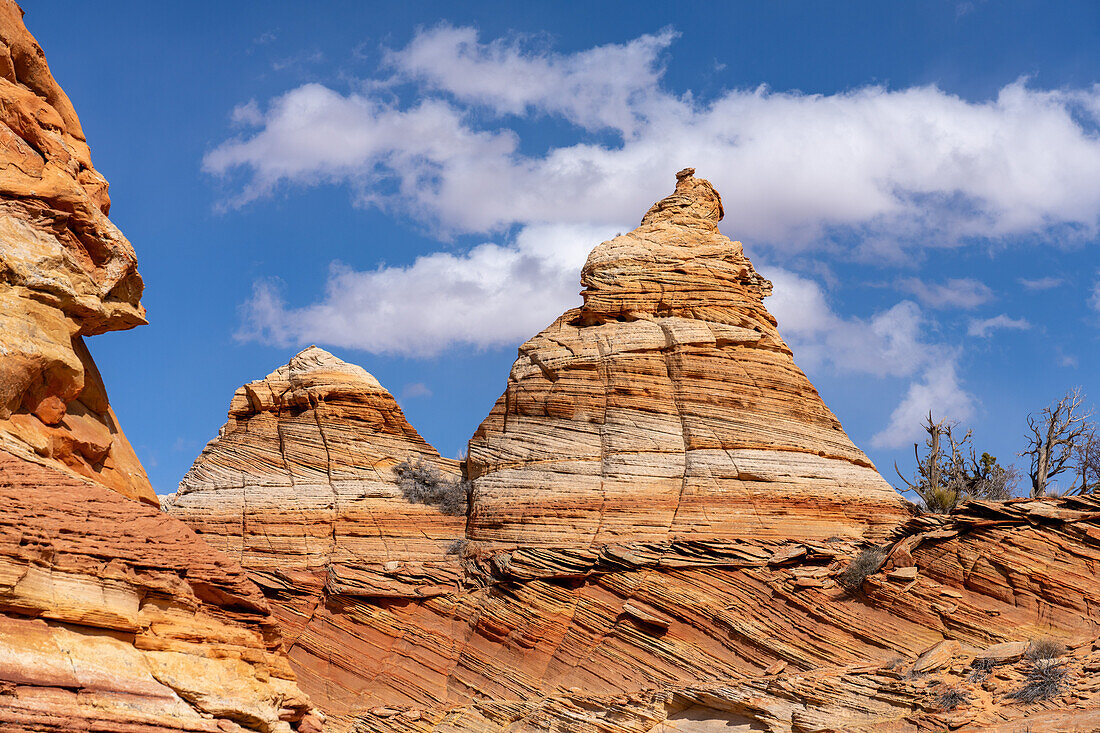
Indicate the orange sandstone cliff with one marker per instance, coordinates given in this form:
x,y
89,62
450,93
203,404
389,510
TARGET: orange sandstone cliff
x,y
114,617
661,513
66,272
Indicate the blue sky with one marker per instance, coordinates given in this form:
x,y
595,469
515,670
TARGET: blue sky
x,y
415,188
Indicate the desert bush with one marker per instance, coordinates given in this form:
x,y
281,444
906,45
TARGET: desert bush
x,y
422,483
1045,679
951,698
945,476
981,667
862,566
1045,649
456,547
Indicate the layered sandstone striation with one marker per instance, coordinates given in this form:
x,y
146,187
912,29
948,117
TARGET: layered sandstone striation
x,y
66,272
668,406
661,518
761,636
116,618
300,486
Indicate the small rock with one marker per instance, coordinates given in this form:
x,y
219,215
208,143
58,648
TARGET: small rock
x,y
937,656
902,573
787,554
1008,651
646,615
777,667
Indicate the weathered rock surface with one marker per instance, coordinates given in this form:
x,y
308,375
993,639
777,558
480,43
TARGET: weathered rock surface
x,y
662,512
65,272
730,640
667,406
300,487
114,618
117,618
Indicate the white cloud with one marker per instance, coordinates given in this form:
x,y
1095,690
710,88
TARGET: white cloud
x,y
893,170
955,293
1094,298
985,326
917,165
247,114
604,87
891,343
937,391
1041,283
490,296
415,389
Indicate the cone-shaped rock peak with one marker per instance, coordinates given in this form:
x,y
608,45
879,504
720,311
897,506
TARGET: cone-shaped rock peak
x,y
668,406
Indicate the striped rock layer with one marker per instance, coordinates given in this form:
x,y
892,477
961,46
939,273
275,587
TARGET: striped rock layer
x,y
66,272
114,618
761,637
662,514
300,488
668,407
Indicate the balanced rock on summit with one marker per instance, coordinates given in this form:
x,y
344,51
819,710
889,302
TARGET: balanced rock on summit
x,y
668,406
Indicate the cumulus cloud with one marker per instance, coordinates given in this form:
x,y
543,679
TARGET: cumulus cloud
x,y
893,170
1041,283
955,293
916,165
490,296
608,86
891,343
982,327
937,391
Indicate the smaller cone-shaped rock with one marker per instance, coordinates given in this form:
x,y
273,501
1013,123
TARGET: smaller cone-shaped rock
x,y
668,406
300,485
306,461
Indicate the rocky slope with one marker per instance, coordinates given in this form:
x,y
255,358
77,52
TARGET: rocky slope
x,y
114,617
66,272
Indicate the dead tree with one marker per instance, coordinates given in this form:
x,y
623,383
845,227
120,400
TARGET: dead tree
x,y
1055,436
1086,460
940,481
946,476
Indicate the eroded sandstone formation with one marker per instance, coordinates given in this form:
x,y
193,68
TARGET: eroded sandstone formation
x,y
114,618
668,407
662,515
66,272
300,487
